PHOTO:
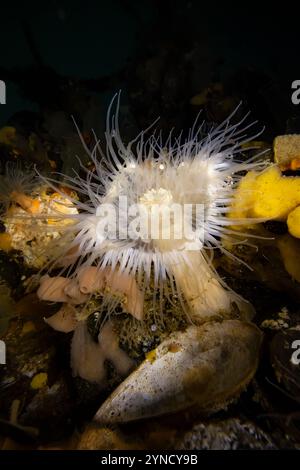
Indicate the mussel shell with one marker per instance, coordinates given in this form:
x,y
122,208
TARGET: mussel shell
x,y
205,365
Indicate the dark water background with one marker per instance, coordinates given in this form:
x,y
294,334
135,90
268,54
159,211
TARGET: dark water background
x,y
102,44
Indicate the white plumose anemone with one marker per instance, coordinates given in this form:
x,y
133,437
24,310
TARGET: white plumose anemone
x,y
200,171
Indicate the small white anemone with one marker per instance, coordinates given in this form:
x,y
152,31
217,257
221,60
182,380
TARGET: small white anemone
x,y
197,172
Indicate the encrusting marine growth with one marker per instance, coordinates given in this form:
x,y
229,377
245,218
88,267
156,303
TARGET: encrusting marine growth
x,y
26,210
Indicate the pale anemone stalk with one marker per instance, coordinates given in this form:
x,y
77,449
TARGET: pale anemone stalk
x,y
197,171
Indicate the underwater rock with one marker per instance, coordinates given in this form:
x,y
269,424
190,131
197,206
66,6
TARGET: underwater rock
x,y
7,306
203,367
229,434
277,386
285,359
36,372
10,270
50,411
274,262
30,148
102,438
289,248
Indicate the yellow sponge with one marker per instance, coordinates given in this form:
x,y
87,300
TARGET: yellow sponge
x,y
267,195
293,222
